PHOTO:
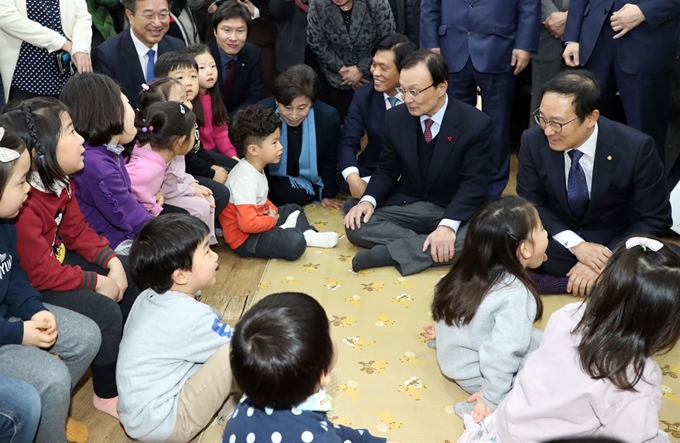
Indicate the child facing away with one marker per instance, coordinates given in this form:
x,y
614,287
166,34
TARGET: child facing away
x,y
103,187
594,374
211,115
486,304
173,368
66,260
31,331
253,226
282,354
165,133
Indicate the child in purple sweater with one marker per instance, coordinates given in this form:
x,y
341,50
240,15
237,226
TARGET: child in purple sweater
x,y
104,117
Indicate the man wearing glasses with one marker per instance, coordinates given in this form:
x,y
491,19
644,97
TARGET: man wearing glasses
x,y
594,182
431,177
129,57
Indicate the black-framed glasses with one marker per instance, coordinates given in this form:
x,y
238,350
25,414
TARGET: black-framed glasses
x,y
413,93
543,123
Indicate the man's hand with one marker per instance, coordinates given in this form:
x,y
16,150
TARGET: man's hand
x,y
520,60
249,6
273,213
357,186
160,198
117,274
353,219
35,335
481,410
555,23
82,61
441,243
221,174
48,318
626,18
331,203
581,279
570,55
593,255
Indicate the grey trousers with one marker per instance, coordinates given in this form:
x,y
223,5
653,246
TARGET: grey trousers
x,y
54,377
403,229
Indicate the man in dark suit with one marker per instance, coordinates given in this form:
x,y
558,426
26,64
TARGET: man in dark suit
x,y
431,178
407,18
367,114
594,182
129,56
486,43
630,46
240,76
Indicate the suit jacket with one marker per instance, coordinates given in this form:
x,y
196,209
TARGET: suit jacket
x,y
647,49
485,31
291,39
247,87
400,19
327,122
117,58
366,113
628,196
549,47
459,172
328,37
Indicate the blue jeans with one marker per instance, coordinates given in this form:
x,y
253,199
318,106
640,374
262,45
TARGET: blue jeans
x,y
19,410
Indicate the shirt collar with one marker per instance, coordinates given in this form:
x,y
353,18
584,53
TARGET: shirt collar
x,y
588,147
35,181
438,117
224,57
400,98
141,48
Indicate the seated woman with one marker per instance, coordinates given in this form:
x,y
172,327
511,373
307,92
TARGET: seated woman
x,y
310,133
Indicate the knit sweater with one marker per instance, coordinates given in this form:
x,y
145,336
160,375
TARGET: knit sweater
x,y
245,213
47,225
17,297
212,135
103,190
486,354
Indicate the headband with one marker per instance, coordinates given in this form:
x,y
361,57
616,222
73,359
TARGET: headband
x,y
7,155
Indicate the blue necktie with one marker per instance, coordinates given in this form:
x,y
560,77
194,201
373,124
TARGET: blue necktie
x,y
393,101
577,188
150,74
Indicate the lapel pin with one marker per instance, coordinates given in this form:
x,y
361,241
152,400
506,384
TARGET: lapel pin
x,y
449,138
609,158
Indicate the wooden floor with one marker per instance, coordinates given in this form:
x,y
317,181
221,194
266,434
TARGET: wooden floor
x,y
237,282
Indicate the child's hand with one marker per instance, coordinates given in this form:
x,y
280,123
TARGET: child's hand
x,y
35,335
160,199
429,332
108,287
272,213
221,174
48,318
117,274
481,410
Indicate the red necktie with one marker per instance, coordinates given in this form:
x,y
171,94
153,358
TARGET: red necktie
x,y
230,75
428,131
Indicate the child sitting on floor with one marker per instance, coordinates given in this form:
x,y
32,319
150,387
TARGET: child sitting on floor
x,y
253,226
173,369
282,354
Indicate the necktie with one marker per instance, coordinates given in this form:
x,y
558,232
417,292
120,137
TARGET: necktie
x,y
577,188
150,74
393,101
428,131
230,75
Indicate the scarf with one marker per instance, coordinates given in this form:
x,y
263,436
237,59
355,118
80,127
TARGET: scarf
x,y
309,174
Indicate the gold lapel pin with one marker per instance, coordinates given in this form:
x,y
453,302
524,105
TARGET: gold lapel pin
x,y
609,158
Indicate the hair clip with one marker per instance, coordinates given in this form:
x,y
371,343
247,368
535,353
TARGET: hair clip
x,y
145,86
511,235
147,128
644,243
182,110
7,155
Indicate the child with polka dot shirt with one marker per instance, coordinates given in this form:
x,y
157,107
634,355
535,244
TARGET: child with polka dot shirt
x,y
282,354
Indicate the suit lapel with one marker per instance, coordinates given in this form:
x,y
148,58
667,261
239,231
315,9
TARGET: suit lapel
x,y
130,53
557,177
444,145
604,167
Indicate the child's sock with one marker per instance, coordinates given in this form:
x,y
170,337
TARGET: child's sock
x,y
376,257
320,239
76,431
291,221
107,405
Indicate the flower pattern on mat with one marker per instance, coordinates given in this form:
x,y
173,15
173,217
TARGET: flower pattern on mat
x,y
357,343
350,388
413,387
345,258
332,284
290,281
384,320
373,366
338,420
370,287
342,321
355,300
670,371
672,428
403,299
410,357
388,421
401,281
311,267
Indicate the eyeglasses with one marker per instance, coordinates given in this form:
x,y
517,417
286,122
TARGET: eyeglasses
x,y
162,16
413,93
555,126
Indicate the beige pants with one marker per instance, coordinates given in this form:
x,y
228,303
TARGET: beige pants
x,y
202,396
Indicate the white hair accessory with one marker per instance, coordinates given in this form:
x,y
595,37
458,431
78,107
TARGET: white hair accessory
x,y
7,155
644,243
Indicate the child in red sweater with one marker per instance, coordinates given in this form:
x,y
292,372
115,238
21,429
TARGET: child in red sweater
x,y
65,259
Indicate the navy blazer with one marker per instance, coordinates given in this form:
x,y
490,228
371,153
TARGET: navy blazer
x,y
649,48
117,58
366,113
460,169
628,196
485,31
327,122
247,87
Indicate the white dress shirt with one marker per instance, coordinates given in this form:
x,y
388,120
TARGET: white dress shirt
x,y
142,50
569,238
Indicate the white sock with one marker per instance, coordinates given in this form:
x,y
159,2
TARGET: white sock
x,y
291,221
321,239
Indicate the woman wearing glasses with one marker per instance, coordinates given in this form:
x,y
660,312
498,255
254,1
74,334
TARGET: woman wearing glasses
x,y
310,133
42,42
